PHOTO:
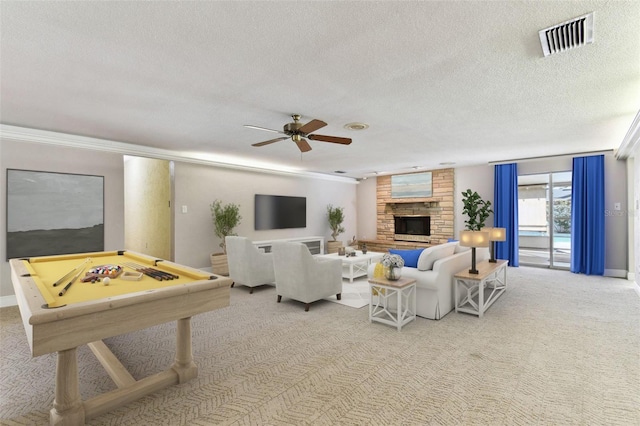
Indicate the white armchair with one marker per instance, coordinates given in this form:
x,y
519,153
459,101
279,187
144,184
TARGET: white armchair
x,y
302,277
248,266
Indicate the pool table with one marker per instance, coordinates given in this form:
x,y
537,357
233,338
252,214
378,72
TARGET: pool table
x,y
88,312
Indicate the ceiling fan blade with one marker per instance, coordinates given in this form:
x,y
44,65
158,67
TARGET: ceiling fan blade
x,y
264,128
312,126
270,141
333,139
303,145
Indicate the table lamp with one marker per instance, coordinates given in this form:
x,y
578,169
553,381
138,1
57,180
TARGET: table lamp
x,y
474,239
495,234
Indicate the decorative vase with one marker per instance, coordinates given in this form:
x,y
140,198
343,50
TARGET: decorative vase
x,y
364,249
392,273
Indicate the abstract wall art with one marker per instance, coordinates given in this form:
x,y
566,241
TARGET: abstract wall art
x,y
53,213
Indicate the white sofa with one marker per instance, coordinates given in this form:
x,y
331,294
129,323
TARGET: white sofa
x,y
434,276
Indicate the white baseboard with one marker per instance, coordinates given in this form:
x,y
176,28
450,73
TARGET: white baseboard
x,y
6,301
616,273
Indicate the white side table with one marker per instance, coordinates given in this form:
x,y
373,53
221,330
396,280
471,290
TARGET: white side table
x,y
380,310
480,290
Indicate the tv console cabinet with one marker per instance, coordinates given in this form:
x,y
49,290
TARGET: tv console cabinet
x,y
315,244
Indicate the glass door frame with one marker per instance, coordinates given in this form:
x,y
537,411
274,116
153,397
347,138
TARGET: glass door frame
x,y
549,185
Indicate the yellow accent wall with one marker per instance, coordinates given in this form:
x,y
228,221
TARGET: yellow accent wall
x,y
147,197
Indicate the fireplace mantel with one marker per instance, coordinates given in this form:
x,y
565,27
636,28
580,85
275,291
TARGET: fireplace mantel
x,y
430,205
425,201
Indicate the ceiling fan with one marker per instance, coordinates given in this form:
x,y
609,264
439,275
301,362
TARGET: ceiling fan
x,y
298,132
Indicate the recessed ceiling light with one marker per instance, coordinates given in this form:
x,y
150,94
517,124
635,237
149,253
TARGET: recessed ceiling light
x,y
356,126
447,163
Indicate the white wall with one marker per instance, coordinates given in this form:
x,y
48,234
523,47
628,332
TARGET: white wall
x,y
51,158
616,223
634,209
196,186
367,205
475,178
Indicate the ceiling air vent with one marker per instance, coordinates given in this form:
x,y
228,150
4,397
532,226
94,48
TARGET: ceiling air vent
x,y
567,35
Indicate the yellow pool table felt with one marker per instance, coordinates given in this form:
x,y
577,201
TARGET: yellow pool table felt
x,y
46,270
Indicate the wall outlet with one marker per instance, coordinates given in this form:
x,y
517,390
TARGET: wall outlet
x,y
184,209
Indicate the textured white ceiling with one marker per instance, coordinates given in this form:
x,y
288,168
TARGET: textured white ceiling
x,y
450,81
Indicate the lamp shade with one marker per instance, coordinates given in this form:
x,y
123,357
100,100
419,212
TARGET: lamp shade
x,y
474,238
496,234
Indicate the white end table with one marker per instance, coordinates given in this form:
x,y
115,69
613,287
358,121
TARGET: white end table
x,y
491,278
354,266
403,290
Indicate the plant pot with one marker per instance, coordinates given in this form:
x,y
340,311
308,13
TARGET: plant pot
x,y
219,265
333,246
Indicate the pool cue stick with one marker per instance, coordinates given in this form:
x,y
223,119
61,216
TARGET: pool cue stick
x,y
166,275
152,272
68,274
75,277
140,268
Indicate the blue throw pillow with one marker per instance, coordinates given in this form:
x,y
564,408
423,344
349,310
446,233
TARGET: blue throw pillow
x,y
410,256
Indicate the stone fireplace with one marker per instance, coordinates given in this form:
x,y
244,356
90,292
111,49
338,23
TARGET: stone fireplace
x,y
438,208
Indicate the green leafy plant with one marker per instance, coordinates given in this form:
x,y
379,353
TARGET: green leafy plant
x,y
336,217
477,209
225,218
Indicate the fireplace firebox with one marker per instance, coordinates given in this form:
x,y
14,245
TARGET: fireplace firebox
x,y
412,228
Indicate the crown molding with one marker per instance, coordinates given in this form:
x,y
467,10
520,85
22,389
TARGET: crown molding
x,y
24,134
631,140
546,157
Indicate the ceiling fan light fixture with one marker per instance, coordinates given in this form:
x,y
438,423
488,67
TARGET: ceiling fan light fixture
x,y
298,132
356,126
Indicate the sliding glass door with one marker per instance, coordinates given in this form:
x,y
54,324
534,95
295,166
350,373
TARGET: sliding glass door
x,y
544,216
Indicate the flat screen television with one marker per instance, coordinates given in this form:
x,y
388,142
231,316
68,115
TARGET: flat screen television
x,y
280,212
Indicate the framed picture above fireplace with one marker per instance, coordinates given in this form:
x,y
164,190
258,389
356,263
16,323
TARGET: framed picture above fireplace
x,y
414,185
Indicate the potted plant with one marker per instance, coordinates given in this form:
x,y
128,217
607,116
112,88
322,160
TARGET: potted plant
x,y
476,209
225,218
335,216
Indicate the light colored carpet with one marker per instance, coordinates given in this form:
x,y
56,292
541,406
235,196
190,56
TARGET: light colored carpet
x,y
355,294
555,349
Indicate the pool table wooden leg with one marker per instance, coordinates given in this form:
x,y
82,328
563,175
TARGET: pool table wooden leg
x,y
183,364
68,408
